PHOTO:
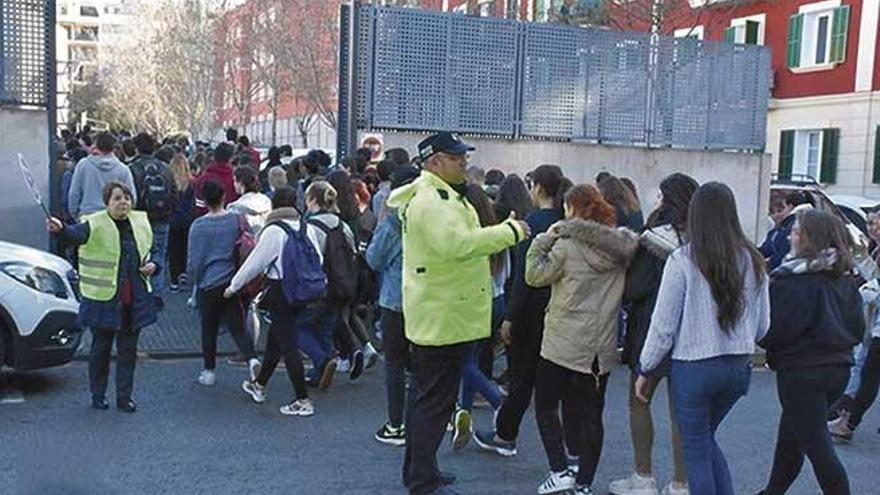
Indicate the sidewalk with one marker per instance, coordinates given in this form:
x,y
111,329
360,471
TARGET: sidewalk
x,y
177,334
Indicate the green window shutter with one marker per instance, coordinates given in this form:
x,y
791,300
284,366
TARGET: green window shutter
x,y
786,154
830,149
839,29
795,33
730,35
752,28
876,179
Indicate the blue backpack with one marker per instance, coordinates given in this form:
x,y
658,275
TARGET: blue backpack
x,y
303,279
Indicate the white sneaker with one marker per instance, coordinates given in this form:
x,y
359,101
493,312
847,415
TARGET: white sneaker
x,y
255,390
557,482
302,407
343,365
371,356
254,366
672,490
583,490
207,378
634,485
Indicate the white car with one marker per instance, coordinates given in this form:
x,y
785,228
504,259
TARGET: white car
x,y
39,303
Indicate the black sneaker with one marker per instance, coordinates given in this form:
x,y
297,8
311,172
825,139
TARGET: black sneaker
x,y
100,403
126,405
487,441
357,364
391,436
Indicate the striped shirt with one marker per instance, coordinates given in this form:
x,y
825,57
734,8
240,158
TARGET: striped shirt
x,y
685,317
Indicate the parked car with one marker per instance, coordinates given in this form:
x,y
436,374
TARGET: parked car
x,y
856,208
781,187
39,303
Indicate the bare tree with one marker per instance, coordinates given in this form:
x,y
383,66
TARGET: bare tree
x,y
656,16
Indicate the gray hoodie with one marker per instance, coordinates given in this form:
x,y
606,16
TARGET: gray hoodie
x,y
89,178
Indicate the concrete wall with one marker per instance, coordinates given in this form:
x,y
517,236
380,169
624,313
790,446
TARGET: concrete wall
x,y
25,132
747,174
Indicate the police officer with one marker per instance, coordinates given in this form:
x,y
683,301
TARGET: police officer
x,y
447,294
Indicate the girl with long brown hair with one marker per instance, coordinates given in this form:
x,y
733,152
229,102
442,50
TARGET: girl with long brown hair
x,y
712,306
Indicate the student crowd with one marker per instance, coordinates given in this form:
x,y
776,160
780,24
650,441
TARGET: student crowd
x,y
445,267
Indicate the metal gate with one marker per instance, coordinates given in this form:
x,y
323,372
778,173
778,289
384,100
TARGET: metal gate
x,y
418,70
26,37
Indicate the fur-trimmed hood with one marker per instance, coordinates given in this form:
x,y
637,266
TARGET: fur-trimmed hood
x,y
613,247
661,240
285,213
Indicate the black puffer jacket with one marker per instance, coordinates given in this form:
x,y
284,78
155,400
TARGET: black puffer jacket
x,y
816,319
642,284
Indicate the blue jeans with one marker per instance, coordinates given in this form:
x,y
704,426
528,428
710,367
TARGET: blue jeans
x,y
159,255
316,324
703,392
473,380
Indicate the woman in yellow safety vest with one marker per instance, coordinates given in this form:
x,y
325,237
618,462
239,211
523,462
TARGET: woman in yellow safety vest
x,y
115,269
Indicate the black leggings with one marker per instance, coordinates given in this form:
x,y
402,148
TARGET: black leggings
x,y
282,341
177,244
805,395
585,395
868,386
214,309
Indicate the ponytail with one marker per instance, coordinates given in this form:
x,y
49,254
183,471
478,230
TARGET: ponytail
x,y
559,197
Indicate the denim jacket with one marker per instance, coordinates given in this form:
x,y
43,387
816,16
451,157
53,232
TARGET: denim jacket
x,y
385,256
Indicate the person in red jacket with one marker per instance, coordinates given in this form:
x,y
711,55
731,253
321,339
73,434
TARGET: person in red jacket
x,y
219,171
245,147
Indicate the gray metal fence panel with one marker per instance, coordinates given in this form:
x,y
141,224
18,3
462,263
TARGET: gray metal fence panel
x,y
425,71
24,52
553,81
433,71
617,87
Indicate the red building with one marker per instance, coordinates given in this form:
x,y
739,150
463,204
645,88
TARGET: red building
x,y
245,103
824,117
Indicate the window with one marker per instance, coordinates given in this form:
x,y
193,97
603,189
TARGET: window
x,y
877,156
817,36
746,30
87,11
810,152
695,32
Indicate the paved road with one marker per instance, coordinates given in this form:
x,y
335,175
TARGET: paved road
x,y
187,439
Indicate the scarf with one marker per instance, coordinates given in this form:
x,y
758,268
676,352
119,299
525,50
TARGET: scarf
x,y
794,265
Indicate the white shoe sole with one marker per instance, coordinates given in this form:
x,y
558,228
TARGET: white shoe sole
x,y
636,491
394,442
256,398
300,414
493,449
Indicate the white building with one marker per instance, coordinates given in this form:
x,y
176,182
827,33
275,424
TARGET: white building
x,y
85,30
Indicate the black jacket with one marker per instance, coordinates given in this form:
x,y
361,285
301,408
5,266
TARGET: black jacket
x,y
526,304
138,171
815,320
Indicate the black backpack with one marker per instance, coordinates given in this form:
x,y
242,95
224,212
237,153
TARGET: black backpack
x,y
340,263
156,192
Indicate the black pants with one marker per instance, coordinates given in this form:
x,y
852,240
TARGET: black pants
x,y
214,309
177,244
343,339
585,395
282,341
868,386
437,376
396,360
525,348
126,359
805,395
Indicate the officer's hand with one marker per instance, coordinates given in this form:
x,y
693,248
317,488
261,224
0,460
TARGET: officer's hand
x,y
506,332
149,269
522,225
54,225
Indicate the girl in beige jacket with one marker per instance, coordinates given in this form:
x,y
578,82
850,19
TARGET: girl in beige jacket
x,y
583,259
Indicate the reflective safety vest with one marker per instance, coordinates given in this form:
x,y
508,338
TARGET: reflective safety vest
x,y
99,257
